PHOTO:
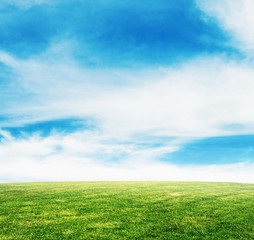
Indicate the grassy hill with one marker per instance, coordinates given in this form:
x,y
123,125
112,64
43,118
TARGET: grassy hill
x,y
127,210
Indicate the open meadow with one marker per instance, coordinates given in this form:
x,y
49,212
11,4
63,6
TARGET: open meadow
x,y
126,210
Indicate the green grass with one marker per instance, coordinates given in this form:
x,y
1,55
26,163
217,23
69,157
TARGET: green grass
x,y
127,210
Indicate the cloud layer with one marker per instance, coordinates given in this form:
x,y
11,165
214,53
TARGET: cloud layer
x,y
72,157
199,99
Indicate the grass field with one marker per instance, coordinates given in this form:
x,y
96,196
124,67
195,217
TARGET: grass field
x,y
127,210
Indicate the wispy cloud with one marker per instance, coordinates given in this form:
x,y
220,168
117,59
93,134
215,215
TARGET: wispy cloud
x,y
236,17
201,98
83,156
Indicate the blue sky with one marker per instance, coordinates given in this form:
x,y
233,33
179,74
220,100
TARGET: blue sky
x,y
113,90
110,33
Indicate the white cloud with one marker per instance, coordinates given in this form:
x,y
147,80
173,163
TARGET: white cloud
x,y
66,170
198,99
59,158
236,17
82,144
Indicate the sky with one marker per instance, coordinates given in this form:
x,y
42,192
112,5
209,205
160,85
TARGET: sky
x,y
126,90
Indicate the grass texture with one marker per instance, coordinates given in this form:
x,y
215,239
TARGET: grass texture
x,y
126,210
